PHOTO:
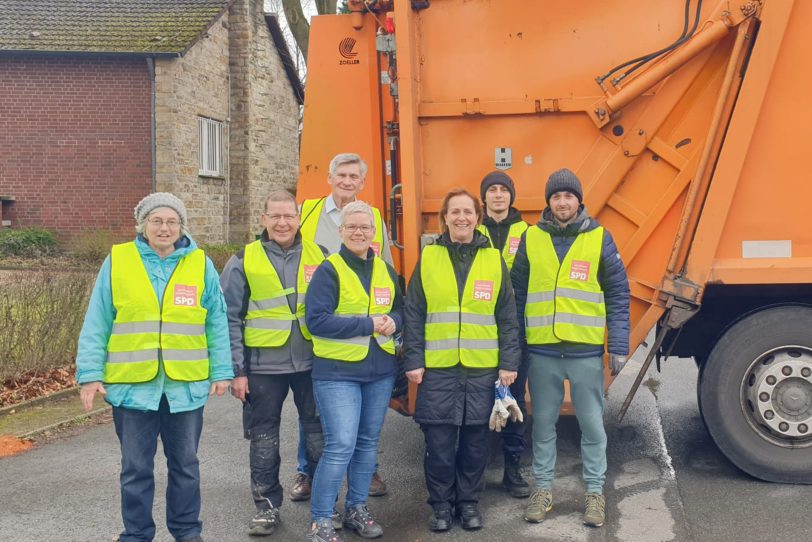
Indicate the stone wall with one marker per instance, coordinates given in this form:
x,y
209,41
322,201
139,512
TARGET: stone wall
x,y
264,114
186,88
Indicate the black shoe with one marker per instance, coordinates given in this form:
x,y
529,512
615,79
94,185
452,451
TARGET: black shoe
x,y
512,480
440,520
264,522
469,515
360,520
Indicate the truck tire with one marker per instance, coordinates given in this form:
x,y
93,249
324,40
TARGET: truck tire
x,y
756,394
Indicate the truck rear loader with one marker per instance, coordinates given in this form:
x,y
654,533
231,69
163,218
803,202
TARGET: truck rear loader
x,y
690,126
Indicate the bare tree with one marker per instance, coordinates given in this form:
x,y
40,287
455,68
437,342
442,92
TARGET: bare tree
x,y
299,23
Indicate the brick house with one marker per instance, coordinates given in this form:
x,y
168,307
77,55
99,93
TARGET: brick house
x,y
104,101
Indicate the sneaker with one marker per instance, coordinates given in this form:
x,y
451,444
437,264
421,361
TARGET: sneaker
x,y
360,520
323,531
264,522
301,487
336,519
541,502
440,519
470,517
594,510
512,479
377,487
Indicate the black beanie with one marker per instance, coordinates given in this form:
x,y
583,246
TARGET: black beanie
x,y
563,180
497,177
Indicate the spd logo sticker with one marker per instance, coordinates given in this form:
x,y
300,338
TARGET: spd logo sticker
x,y
308,271
376,248
513,245
483,290
185,295
383,296
579,270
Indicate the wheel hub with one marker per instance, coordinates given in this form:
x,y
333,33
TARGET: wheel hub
x,y
780,393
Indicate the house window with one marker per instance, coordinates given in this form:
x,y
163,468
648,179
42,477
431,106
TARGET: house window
x,y
211,147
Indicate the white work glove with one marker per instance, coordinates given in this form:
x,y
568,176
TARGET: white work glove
x,y
509,402
499,414
616,363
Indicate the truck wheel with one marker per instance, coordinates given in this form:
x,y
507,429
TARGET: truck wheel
x,y
756,394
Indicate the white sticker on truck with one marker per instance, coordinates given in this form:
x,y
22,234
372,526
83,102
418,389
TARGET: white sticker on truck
x,y
767,249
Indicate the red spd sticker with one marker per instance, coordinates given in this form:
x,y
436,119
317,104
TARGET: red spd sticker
x,y
483,290
308,272
579,270
376,248
513,245
185,295
383,296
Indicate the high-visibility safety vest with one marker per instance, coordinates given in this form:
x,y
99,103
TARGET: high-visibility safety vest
x,y
461,332
512,243
311,211
147,331
354,301
269,319
564,301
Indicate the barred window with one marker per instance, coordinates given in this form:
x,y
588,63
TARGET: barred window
x,y
211,147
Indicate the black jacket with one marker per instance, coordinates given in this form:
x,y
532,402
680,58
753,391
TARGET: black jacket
x,y
458,395
499,230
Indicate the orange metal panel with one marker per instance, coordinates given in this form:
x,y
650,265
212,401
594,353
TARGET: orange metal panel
x,y
342,111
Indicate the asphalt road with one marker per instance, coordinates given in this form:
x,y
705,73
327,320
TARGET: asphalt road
x,y
666,481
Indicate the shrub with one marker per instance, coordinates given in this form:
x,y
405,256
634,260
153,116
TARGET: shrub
x,y
41,314
93,245
27,242
220,254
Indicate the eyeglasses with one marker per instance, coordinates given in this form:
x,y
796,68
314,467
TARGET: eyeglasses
x,y
157,223
352,228
277,218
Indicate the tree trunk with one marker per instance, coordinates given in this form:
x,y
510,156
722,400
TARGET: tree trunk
x,y
299,26
326,7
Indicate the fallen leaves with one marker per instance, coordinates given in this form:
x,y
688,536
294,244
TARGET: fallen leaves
x,y
33,384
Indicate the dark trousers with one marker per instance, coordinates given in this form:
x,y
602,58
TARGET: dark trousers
x,y
180,434
455,462
513,432
262,415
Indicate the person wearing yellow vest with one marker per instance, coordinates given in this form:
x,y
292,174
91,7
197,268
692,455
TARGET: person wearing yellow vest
x,y
502,224
353,311
155,343
462,337
264,287
320,221
571,286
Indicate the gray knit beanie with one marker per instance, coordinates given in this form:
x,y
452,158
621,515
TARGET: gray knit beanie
x,y
563,180
160,199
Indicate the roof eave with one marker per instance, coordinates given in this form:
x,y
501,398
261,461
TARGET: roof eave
x,y
272,21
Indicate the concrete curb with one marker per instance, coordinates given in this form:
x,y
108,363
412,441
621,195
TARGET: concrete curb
x,y
37,400
80,417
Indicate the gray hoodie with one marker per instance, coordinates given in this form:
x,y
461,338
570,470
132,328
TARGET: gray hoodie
x,y
296,354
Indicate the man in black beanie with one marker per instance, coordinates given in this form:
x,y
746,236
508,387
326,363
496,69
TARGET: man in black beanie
x,y
571,287
502,224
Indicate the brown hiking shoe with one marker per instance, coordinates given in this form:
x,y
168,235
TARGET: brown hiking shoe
x,y
301,487
377,487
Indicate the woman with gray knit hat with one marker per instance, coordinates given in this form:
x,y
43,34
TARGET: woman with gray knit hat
x,y
155,344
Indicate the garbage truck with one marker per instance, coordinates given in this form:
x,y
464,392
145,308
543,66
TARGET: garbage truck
x,y
689,124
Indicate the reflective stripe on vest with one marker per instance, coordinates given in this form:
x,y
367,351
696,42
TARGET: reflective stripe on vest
x,y
268,320
146,331
354,301
311,211
564,301
465,334
511,244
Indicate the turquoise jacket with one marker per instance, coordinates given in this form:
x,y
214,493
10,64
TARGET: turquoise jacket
x,y
98,325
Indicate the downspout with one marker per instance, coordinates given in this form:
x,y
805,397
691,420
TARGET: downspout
x,y
152,136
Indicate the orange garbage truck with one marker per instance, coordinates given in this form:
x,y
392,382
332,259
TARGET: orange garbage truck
x,y
690,126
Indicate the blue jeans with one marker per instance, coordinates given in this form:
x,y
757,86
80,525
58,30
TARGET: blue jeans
x,y
352,415
301,452
138,434
546,377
